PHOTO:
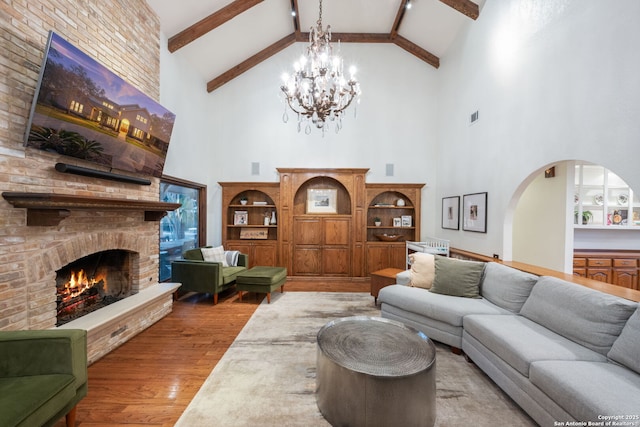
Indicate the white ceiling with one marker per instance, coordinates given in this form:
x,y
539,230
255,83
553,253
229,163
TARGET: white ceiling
x,y
431,25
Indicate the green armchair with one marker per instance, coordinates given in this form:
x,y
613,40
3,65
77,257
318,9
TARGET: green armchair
x,y
197,275
43,375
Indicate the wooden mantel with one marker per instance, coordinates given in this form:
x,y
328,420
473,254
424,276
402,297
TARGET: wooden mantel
x,y
49,209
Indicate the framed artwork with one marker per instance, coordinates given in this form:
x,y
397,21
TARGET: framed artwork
x,y
451,212
397,222
322,200
406,220
240,218
474,208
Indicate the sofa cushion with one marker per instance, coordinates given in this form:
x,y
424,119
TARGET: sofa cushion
x,y
423,269
444,308
34,400
457,277
519,341
506,287
587,390
229,274
215,254
589,317
626,348
404,278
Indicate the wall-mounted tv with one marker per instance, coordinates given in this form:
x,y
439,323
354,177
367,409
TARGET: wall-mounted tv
x,y
83,110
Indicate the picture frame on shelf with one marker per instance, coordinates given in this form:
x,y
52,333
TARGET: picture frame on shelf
x,y
406,220
254,233
241,218
474,208
397,222
322,200
451,212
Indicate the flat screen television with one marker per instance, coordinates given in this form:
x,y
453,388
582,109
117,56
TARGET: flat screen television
x,y
83,110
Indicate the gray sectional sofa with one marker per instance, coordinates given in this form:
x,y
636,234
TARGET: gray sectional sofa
x,y
563,352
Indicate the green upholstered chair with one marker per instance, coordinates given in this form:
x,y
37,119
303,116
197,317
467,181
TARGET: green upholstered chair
x,y
43,375
198,275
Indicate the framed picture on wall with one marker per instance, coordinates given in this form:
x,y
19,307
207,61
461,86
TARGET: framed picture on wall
x,y
474,208
321,200
451,212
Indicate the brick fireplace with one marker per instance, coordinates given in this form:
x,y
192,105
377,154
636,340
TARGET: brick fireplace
x,y
110,326
30,255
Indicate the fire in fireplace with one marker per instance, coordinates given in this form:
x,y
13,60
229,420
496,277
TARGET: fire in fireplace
x,y
91,283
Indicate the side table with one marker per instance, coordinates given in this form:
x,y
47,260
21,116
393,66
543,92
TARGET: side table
x,y
382,278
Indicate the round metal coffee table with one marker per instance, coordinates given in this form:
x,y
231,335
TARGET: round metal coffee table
x,y
375,372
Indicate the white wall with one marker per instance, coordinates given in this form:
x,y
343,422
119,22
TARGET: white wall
x,y
190,156
241,122
552,81
541,211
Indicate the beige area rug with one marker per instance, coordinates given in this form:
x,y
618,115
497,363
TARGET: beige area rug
x,y
267,376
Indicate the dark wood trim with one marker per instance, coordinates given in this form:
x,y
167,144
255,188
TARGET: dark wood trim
x,y
251,62
202,204
350,37
296,18
465,7
416,50
49,209
209,23
608,288
399,16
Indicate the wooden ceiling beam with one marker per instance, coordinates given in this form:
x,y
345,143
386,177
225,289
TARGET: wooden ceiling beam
x,y
350,37
416,50
247,64
466,7
296,15
209,23
399,16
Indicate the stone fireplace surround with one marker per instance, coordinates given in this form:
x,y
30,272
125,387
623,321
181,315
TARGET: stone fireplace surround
x,y
115,324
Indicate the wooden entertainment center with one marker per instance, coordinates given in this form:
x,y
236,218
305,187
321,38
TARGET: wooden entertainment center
x,y
324,222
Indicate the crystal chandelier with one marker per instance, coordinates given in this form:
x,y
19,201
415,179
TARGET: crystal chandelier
x,y
317,91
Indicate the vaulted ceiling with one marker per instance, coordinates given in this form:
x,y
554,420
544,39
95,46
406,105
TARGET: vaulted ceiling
x,y
221,39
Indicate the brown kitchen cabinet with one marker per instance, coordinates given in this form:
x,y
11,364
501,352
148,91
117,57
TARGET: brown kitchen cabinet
x,y
619,268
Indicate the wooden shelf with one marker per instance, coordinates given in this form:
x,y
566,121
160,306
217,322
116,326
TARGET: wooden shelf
x,y
49,209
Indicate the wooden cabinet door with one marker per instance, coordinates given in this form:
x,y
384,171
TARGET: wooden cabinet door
x,y
377,257
398,257
307,261
336,261
264,254
307,231
336,231
601,274
626,277
581,272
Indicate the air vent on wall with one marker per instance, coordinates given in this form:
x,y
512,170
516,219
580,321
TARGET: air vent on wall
x,y
474,117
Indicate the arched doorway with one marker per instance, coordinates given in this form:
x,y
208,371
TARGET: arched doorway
x,y
540,224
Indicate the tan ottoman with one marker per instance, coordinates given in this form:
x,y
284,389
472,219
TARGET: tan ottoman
x,y
261,280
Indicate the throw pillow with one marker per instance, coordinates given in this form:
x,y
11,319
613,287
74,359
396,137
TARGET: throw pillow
x,y
214,255
423,270
626,348
456,277
506,287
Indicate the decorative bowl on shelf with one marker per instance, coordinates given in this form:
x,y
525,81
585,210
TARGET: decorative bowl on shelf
x,y
388,237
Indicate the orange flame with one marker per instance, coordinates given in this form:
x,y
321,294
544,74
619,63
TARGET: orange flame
x,y
78,283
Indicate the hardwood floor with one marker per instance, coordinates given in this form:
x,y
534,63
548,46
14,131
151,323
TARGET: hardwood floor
x,y
150,380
